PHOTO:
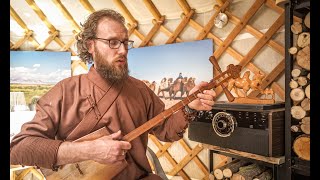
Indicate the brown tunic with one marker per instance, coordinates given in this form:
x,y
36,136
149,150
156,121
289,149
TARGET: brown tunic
x,y
63,107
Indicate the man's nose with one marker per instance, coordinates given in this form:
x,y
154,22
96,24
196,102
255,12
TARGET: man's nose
x,y
122,49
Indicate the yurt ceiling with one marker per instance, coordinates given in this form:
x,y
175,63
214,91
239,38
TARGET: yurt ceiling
x,y
253,36
52,24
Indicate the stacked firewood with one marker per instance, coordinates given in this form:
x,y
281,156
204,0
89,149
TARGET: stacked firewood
x,y
300,87
241,170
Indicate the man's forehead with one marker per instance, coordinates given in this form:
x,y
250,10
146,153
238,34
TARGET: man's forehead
x,y
111,27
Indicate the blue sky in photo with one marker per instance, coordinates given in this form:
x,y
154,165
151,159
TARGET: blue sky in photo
x,y
39,67
156,62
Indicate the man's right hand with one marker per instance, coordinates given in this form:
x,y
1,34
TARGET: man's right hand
x,y
104,150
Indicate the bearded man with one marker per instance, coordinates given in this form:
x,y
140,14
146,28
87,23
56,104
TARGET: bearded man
x,y
105,97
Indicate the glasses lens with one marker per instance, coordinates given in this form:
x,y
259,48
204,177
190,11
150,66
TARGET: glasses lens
x,y
114,43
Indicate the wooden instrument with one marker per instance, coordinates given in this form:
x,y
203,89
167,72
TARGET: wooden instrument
x,y
93,170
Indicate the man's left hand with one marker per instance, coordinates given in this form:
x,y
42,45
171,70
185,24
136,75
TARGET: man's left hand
x,y
205,99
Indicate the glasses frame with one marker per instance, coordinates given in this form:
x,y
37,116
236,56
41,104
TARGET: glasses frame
x,y
129,46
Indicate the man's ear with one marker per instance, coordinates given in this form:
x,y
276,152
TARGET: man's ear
x,y
90,45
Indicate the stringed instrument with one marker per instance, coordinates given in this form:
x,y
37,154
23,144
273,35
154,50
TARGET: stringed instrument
x,y
93,170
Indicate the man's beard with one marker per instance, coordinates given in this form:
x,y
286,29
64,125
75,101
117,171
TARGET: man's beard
x,y
109,70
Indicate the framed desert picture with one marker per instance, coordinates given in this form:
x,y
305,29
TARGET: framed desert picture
x,y
32,74
172,70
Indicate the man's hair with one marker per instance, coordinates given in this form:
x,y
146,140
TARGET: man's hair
x,y
89,30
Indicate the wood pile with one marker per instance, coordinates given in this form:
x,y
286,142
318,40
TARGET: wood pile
x,y
300,88
241,170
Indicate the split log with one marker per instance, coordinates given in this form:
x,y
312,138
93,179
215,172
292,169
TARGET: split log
x,y
293,50
296,28
296,128
293,84
248,172
303,39
308,76
307,20
297,95
295,73
266,175
301,147
303,58
302,80
305,125
297,112
218,173
307,91
233,167
211,176
305,104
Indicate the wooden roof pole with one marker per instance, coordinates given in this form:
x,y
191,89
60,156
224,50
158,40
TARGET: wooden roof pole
x,y
152,8
47,41
67,15
184,6
185,20
156,14
87,5
41,15
23,25
52,30
157,22
125,12
133,24
21,41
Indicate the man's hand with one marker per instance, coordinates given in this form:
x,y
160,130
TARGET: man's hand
x,y
205,100
108,149
105,150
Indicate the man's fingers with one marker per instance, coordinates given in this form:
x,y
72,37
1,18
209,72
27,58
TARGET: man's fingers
x,y
116,136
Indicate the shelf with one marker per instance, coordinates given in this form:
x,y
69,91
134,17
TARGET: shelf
x,y
239,154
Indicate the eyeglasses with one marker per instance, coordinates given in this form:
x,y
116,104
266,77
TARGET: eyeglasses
x,y
115,43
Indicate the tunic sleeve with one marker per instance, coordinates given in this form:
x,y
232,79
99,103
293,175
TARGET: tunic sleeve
x,y
35,145
172,128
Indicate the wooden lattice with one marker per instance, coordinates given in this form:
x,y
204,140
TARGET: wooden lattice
x,y
264,39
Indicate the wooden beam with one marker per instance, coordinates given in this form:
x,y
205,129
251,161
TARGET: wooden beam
x,y
61,43
207,28
263,40
167,155
41,15
22,40
278,90
66,14
184,6
181,26
47,41
125,12
87,5
237,29
152,8
17,18
201,166
152,32
23,25
168,33
195,151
